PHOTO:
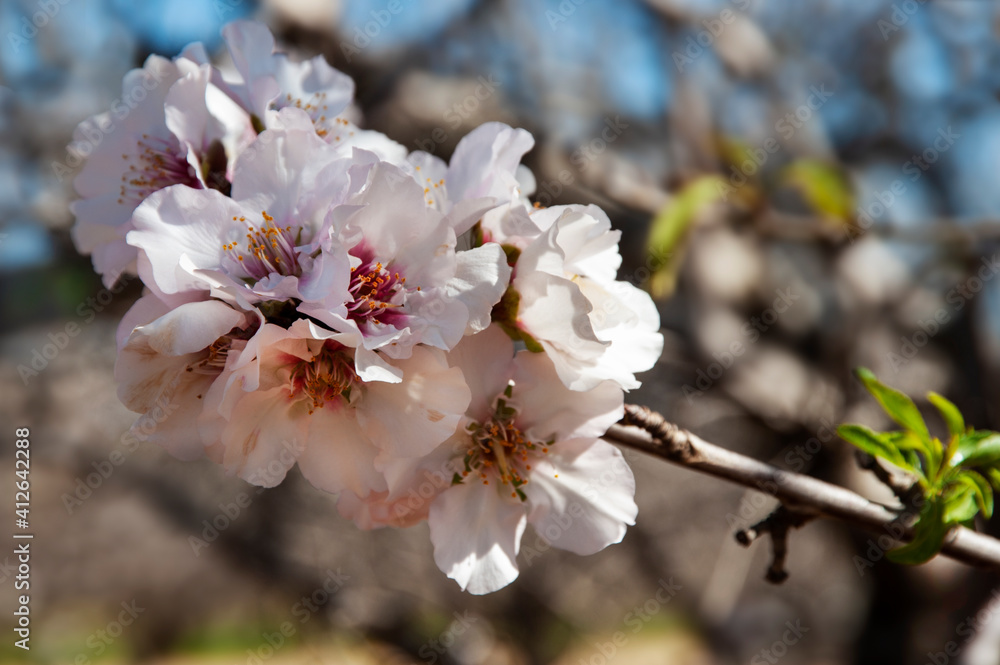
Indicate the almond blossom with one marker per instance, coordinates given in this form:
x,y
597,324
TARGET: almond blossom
x,y
292,394
531,455
564,298
408,284
177,129
409,332
169,355
528,452
312,234
264,241
486,164
268,81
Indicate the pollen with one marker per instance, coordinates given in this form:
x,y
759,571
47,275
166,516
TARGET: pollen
x,y
500,450
378,293
154,164
328,377
268,249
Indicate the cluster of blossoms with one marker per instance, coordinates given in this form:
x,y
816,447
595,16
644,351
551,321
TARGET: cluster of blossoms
x,y
413,333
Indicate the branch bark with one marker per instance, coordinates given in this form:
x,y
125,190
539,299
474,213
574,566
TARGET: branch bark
x,y
649,432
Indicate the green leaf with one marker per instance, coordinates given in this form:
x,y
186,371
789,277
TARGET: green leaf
x,y
899,407
909,446
993,475
903,440
670,228
949,413
960,504
824,187
975,450
984,493
874,444
966,494
902,409
928,536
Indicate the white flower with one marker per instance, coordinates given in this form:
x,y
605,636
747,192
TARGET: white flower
x,y
485,164
309,300
564,298
269,82
168,357
170,127
292,394
265,242
408,285
529,453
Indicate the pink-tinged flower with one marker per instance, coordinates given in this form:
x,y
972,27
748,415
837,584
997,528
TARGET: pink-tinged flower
x,y
293,394
407,284
269,82
564,298
486,164
412,484
528,452
265,242
168,357
170,127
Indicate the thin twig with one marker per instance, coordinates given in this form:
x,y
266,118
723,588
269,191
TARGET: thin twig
x,y
649,432
777,525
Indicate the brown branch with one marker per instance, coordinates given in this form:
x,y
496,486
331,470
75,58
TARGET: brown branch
x,y
904,491
804,495
777,525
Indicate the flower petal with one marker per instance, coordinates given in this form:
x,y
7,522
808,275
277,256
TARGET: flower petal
x,y
626,317
548,410
481,277
191,327
486,360
485,163
554,309
338,456
370,367
411,418
582,496
476,535
179,220
251,47
172,421
265,435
